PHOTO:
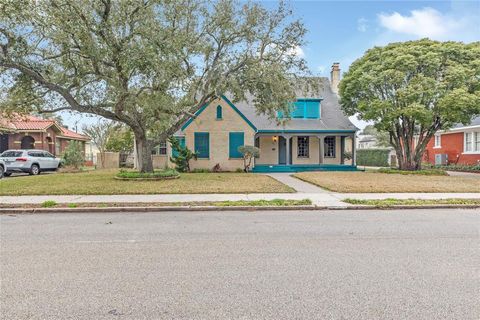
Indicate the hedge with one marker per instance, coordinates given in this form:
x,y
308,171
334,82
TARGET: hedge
x,y
373,157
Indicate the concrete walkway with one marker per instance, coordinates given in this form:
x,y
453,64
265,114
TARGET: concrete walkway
x,y
297,184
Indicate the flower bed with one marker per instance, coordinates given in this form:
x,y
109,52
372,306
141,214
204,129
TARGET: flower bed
x,y
157,175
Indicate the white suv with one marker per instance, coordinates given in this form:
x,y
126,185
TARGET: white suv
x,y
29,161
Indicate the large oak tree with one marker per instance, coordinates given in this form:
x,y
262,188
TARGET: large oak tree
x,y
412,90
149,64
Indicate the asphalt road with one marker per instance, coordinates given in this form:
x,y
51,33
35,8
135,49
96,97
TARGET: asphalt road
x,y
242,265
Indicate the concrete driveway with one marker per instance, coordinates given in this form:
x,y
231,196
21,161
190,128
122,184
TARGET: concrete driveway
x,y
242,265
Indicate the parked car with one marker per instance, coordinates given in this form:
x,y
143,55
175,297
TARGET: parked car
x,y
3,168
29,161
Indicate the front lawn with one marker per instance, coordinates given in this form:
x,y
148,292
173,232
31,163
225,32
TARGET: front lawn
x,y
369,182
102,182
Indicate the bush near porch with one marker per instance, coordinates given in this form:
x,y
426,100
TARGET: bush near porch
x,y
102,182
370,182
373,157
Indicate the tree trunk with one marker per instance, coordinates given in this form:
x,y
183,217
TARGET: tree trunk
x,y
143,151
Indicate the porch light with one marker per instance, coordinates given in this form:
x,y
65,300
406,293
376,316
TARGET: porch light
x,y
275,138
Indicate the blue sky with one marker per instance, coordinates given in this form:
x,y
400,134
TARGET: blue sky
x,y
341,31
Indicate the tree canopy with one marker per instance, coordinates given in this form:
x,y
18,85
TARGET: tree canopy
x,y
413,89
149,64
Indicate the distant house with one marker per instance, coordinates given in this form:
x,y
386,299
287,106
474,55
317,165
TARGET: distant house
x,y
319,136
30,132
367,141
459,145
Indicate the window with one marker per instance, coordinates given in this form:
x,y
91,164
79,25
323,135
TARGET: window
x,y
161,149
438,141
11,154
304,109
236,140
219,113
181,140
202,144
468,141
472,141
329,147
303,147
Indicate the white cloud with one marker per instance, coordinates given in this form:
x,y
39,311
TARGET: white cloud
x,y
362,24
426,22
321,69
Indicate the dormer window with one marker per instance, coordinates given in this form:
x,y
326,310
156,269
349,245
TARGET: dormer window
x,y
219,113
304,109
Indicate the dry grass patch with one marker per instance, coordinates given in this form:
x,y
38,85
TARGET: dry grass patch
x,y
370,182
102,182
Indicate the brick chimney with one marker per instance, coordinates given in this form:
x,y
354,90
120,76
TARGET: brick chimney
x,y
335,77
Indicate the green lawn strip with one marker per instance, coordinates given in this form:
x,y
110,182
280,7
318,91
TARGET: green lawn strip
x,y
238,203
389,202
425,172
103,182
140,175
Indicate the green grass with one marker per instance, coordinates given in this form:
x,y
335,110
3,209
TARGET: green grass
x,y
425,172
103,182
371,182
412,202
49,204
240,203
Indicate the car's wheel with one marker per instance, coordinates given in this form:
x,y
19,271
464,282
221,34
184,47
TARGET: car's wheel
x,y
34,170
2,172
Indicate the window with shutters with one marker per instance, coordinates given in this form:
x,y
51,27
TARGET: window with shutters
x,y
329,147
303,147
202,144
236,140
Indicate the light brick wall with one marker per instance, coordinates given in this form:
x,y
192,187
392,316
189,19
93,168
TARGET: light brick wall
x,y
219,135
268,150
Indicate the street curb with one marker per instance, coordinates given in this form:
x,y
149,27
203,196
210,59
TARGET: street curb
x,y
4,211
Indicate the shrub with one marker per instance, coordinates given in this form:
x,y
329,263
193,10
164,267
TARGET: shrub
x,y
72,205
169,173
425,172
73,155
182,156
373,157
201,170
248,153
49,204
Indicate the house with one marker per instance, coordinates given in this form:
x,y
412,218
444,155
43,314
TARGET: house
x,y
367,141
30,132
319,136
458,145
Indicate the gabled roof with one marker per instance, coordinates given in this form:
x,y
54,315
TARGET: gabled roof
x,y
332,118
474,122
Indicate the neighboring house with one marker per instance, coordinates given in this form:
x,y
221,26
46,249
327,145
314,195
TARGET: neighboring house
x,y
458,145
30,132
319,136
366,141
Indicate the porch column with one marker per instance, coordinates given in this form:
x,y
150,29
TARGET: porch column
x,y
321,149
287,149
342,149
354,152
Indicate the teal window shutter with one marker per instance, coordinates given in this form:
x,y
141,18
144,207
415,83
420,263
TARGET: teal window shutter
x,y
202,144
182,144
219,112
313,109
236,140
299,109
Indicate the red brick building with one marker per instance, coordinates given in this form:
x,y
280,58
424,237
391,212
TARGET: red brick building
x,y
29,132
461,145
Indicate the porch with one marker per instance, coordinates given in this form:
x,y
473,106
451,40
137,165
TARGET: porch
x,y
305,151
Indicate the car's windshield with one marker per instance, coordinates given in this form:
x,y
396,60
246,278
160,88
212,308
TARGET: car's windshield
x,y
8,154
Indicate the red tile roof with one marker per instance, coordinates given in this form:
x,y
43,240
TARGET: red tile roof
x,y
25,123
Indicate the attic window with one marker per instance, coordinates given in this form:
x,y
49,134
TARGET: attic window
x,y
219,113
304,109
